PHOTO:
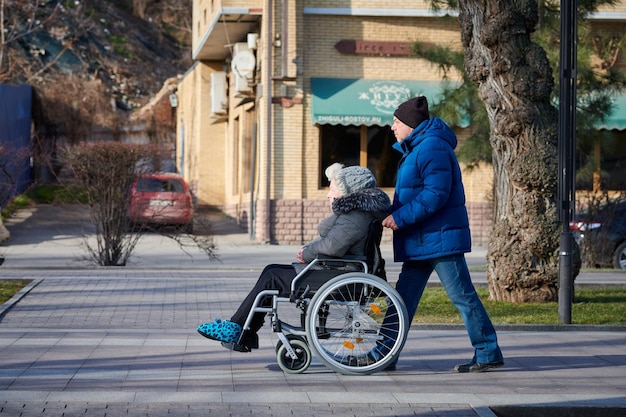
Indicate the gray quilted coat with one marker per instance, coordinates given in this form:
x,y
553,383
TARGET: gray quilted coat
x,y
344,232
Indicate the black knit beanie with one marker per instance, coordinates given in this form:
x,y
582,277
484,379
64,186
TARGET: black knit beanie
x,y
413,112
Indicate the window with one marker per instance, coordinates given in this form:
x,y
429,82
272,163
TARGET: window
x,y
360,145
157,185
601,163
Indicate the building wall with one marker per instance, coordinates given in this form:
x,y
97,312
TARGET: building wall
x,y
298,201
619,7
287,207
318,40
199,143
204,14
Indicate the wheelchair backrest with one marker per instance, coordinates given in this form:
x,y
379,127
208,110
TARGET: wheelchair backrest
x,y
375,260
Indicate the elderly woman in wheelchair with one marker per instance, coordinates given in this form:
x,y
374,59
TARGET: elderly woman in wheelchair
x,y
353,320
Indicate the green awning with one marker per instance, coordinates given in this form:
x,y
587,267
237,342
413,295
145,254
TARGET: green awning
x,y
354,101
617,120
350,101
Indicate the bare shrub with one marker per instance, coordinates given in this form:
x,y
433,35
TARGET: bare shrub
x,y
106,171
201,238
13,167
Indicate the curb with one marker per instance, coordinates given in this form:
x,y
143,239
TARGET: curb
x,y
7,305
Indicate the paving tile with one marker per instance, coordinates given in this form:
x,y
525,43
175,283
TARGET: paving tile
x,y
125,344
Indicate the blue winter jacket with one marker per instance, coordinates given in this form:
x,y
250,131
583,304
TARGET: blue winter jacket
x,y
429,199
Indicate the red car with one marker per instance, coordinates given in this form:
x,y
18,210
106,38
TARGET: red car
x,y
162,199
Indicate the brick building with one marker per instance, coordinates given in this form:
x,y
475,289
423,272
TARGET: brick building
x,y
282,88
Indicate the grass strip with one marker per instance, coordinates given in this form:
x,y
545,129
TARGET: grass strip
x,y
10,287
597,306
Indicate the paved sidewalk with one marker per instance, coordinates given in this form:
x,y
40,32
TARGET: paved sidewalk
x,y
121,341
111,343
53,237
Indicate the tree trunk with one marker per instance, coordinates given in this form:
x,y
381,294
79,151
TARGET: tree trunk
x,y
515,81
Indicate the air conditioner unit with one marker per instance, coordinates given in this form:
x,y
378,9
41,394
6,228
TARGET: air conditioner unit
x,y
243,65
219,95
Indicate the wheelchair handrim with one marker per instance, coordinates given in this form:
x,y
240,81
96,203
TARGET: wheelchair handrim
x,y
327,352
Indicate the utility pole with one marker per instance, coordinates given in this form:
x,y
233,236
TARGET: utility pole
x,y
567,149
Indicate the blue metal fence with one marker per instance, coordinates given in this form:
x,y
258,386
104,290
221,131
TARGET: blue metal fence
x,y
15,137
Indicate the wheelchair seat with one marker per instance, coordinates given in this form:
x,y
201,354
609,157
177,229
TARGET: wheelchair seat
x,y
313,275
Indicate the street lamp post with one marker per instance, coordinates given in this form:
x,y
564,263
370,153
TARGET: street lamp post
x,y
567,147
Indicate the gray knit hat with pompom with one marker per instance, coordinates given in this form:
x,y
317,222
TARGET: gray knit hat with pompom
x,y
350,179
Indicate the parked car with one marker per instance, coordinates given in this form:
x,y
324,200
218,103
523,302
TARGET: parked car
x,y
162,199
601,235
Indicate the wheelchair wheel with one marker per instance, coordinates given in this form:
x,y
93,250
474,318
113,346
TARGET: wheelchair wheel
x,y
290,365
290,337
356,324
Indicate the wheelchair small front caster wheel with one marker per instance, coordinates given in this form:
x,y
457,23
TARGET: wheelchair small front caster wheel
x,y
290,337
296,365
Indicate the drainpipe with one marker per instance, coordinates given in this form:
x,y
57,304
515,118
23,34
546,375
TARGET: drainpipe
x,y
268,122
284,39
252,220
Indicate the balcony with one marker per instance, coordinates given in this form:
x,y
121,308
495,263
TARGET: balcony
x,y
218,24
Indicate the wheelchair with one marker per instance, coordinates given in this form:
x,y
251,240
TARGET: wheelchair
x,y
351,318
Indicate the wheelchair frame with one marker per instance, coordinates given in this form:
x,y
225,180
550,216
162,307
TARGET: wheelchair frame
x,y
355,322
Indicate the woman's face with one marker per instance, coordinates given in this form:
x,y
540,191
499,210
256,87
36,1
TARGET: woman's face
x,y
333,192
400,130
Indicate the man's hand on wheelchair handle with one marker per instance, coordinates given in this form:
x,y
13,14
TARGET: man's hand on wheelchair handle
x,y
390,223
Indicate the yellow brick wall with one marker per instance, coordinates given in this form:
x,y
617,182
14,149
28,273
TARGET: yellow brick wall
x,y
297,201
608,28
619,7
238,131
478,183
203,144
326,31
368,4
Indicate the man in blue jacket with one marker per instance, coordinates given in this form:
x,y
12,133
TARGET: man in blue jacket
x,y
431,228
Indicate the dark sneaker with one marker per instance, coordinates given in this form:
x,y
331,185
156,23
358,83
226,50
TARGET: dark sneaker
x,y
247,342
390,368
477,367
249,339
238,347
366,360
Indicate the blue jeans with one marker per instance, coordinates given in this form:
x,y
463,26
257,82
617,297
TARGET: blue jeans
x,y
455,278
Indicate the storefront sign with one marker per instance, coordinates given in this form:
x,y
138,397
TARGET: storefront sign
x,y
360,47
354,101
